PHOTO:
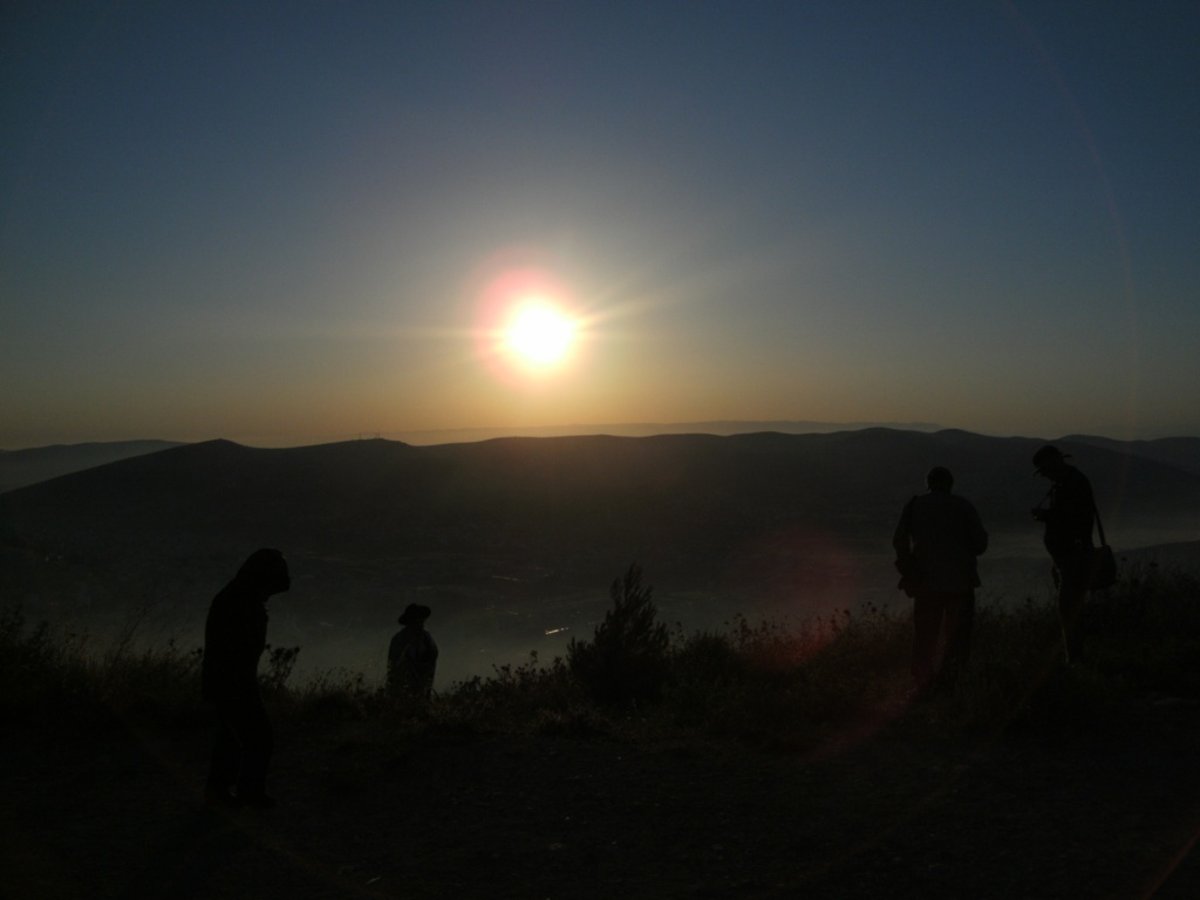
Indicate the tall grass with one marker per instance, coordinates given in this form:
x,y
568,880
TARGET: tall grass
x,y
1147,628
56,677
762,683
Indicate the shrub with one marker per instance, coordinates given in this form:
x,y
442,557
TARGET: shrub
x,y
48,676
514,696
723,687
39,671
280,662
334,695
1147,628
155,684
627,661
708,659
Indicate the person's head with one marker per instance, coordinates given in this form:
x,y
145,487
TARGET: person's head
x,y
414,616
1050,462
265,571
939,479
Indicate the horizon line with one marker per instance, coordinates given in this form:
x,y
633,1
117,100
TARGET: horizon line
x,y
715,427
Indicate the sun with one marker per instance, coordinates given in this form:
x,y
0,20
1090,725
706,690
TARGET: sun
x,y
539,334
531,329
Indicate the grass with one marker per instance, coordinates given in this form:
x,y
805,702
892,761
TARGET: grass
x,y
47,676
758,683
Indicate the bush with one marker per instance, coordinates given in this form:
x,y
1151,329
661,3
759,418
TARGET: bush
x,y
280,662
1147,628
627,660
333,695
529,697
708,660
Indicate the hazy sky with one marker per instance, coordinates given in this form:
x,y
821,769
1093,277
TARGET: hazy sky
x,y
298,221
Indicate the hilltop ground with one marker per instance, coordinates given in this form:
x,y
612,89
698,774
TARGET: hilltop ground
x,y
892,804
757,762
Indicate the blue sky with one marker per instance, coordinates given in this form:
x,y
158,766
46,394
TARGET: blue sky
x,y
281,223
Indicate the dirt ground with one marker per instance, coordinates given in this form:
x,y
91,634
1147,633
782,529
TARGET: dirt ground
x,y
373,810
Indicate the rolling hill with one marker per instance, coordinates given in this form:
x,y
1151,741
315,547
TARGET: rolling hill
x,y
19,468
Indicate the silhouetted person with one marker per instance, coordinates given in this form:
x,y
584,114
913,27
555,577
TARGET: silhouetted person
x,y
1069,512
235,636
412,656
937,541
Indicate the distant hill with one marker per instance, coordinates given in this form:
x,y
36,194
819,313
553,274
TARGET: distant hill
x,y
695,509
649,429
1180,452
19,468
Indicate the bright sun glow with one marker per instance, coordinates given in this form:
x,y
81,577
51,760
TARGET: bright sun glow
x,y
539,334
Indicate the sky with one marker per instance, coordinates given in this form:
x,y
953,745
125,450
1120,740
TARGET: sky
x,y
285,223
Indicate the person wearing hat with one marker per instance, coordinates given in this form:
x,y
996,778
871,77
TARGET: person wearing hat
x,y
937,541
235,636
1069,513
412,656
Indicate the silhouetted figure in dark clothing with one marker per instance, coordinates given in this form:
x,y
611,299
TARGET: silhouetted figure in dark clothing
x,y
235,636
412,656
937,541
1069,513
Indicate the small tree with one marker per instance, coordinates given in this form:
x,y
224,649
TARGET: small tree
x,y
627,659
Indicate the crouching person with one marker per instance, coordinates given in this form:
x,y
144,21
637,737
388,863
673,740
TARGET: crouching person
x,y
235,635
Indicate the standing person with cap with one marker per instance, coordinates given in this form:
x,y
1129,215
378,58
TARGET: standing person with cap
x,y
937,541
235,635
1069,513
412,656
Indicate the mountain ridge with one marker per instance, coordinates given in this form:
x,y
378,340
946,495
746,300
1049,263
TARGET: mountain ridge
x,y
19,468
545,493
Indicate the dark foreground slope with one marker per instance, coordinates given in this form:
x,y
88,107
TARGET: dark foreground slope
x,y
772,764
375,812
